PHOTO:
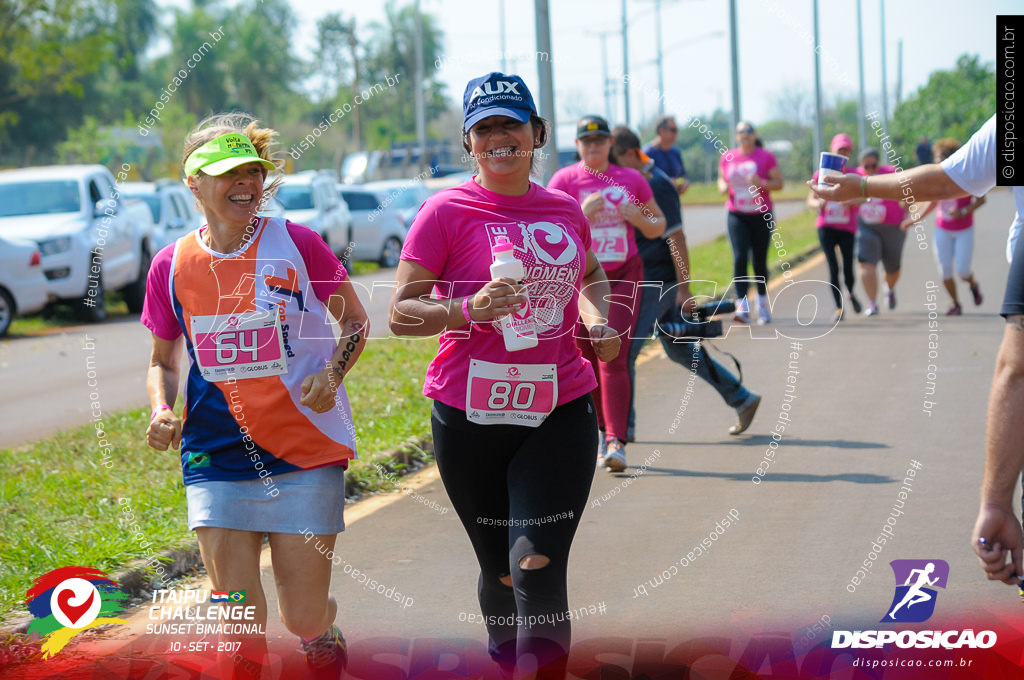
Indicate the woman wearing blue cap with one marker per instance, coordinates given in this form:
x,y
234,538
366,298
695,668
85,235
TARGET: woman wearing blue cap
x,y
514,431
266,431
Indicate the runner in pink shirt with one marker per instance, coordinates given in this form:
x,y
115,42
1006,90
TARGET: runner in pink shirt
x,y
837,227
614,199
879,237
954,234
748,174
514,431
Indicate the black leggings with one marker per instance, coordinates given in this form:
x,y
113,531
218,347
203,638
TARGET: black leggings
x,y
520,491
829,239
748,233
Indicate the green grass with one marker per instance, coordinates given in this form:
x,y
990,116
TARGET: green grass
x,y
59,506
707,193
62,316
712,261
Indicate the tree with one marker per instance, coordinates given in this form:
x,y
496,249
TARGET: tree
x,y
952,104
49,48
263,28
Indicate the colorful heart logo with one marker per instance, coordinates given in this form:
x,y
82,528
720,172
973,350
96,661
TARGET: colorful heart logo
x,y
74,612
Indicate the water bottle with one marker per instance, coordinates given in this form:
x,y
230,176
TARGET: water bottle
x,y
518,328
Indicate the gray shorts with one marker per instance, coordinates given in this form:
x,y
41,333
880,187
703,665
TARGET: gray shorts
x,y
307,500
880,242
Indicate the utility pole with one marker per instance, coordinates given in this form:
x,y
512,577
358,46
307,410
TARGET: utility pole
x,y
542,26
421,118
885,86
625,60
899,71
818,133
862,124
734,56
661,73
501,24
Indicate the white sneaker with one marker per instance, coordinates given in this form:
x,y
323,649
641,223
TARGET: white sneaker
x,y
764,314
742,314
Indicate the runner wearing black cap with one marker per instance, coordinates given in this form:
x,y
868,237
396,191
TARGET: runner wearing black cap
x,y
615,200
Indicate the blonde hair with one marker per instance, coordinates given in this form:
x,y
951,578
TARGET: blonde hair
x,y
262,139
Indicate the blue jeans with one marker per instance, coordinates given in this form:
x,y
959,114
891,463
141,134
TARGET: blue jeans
x,y
652,305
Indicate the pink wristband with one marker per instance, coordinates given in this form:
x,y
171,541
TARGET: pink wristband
x,y
465,308
158,409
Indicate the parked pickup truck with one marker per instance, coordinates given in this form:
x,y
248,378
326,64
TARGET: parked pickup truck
x,y
91,238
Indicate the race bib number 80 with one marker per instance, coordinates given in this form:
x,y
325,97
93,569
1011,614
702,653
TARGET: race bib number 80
x,y
238,345
510,394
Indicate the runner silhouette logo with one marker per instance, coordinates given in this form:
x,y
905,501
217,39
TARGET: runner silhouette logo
x,y
916,581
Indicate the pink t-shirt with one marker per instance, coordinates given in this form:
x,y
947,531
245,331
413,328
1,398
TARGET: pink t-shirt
x,y
324,269
877,210
452,235
735,166
944,214
836,215
612,235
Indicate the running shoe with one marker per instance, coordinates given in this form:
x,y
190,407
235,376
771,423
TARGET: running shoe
x,y
976,292
872,309
602,448
837,316
891,298
855,302
954,310
615,459
742,314
745,413
764,314
326,655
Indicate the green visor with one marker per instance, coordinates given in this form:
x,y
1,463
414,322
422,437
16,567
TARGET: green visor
x,y
223,153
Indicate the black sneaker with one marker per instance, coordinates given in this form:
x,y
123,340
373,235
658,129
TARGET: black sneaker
x,y
855,303
326,655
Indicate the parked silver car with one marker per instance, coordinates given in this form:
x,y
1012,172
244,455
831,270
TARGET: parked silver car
x,y
310,199
22,282
173,207
379,230
406,195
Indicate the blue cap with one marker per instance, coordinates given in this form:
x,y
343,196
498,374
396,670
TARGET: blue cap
x,y
496,94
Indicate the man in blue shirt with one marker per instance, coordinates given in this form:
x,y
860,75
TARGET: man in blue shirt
x,y
667,158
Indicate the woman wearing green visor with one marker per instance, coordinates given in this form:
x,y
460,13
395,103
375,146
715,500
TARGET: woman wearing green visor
x,y
266,431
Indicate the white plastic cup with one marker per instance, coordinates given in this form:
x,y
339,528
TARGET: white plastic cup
x,y
831,165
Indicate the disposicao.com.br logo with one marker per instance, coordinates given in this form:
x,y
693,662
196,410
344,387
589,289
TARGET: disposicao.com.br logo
x,y
68,600
913,602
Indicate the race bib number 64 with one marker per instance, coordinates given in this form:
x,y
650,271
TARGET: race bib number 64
x,y
238,345
510,394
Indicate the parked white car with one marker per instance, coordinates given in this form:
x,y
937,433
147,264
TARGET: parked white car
x,y
310,199
91,238
22,283
379,231
405,195
173,207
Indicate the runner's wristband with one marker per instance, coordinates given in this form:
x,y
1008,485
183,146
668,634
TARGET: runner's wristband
x,y
465,308
158,409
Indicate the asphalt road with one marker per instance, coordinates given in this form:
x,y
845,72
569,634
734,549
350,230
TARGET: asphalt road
x,y
52,371
856,425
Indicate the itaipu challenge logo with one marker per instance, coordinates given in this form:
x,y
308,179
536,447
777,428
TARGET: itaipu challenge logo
x,y
69,600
